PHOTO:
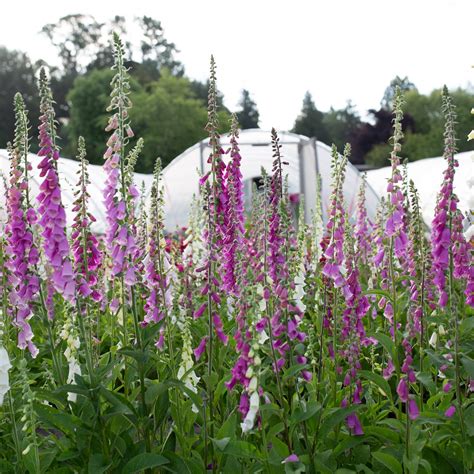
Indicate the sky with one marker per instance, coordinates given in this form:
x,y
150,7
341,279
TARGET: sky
x,y
336,49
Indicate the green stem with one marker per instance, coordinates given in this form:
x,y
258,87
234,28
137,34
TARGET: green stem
x,y
457,365
16,439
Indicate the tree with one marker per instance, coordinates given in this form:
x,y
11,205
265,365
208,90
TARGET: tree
x,y
342,125
170,118
88,101
310,121
17,74
404,84
156,49
425,140
423,127
77,38
248,115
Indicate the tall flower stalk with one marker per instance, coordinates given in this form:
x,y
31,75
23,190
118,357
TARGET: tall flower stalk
x,y
215,196
50,209
24,256
87,256
118,192
452,259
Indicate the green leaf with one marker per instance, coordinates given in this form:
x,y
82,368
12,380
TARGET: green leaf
x,y
229,427
469,419
239,449
379,381
118,401
140,356
426,466
387,343
275,429
379,293
65,422
348,443
179,465
468,364
144,461
427,380
221,444
97,464
300,415
391,463
383,434
333,418
466,325
293,370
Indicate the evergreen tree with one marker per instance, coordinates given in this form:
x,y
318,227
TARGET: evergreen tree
x,y
17,74
310,122
248,115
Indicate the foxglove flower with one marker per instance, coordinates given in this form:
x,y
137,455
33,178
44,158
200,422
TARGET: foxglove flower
x,y
234,215
156,306
447,239
119,193
24,256
51,210
215,195
286,319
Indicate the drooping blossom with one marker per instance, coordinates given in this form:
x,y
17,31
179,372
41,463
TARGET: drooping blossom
x,y
119,193
449,246
286,317
234,215
335,227
215,196
50,209
24,256
156,306
450,411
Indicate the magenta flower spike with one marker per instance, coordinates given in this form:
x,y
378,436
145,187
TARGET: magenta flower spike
x,y
120,194
23,254
286,317
447,238
50,209
234,215
156,305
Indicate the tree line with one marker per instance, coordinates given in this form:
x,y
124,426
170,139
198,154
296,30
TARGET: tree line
x,y
170,107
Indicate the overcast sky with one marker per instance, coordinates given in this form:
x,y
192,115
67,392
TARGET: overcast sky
x,y
336,49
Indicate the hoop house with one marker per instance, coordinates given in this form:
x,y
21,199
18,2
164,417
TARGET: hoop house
x,y
306,157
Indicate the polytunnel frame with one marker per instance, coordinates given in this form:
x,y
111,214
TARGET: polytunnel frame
x,y
302,140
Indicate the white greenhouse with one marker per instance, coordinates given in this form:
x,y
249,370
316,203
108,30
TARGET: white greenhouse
x,y
67,175
427,176
305,156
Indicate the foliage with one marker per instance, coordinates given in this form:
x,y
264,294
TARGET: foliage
x,y
169,118
248,115
243,342
17,73
422,131
342,125
310,121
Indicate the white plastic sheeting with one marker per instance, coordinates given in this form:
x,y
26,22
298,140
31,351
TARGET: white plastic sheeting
x,y
427,175
68,178
305,158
